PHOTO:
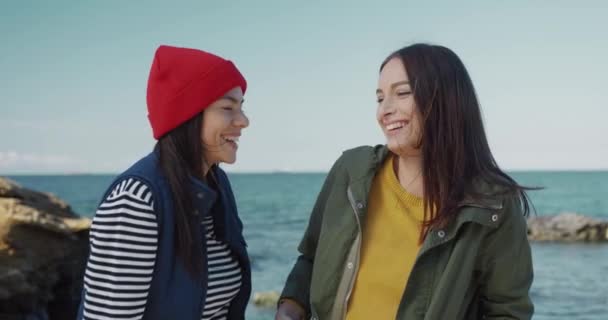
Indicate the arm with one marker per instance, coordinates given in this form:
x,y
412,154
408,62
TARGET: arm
x,y
507,268
123,243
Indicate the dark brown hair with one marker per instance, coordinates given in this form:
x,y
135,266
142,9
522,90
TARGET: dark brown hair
x,y
181,158
455,151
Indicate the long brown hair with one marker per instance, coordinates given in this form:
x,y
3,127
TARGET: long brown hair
x,y
454,147
181,158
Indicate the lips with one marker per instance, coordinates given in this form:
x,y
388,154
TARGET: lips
x,y
232,139
394,126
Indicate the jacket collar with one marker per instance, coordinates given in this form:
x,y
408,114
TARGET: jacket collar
x,y
204,196
484,196
362,164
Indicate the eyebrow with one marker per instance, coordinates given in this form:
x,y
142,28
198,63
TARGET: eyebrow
x,y
235,100
398,83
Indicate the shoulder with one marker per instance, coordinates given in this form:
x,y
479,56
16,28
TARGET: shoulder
x,y
141,180
505,213
130,188
507,202
513,213
362,161
128,208
365,152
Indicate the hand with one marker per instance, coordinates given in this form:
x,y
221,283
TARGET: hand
x,y
290,310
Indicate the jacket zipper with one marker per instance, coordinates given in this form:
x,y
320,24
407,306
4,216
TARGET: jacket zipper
x,y
356,262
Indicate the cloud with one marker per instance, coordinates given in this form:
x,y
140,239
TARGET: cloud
x,y
14,161
30,124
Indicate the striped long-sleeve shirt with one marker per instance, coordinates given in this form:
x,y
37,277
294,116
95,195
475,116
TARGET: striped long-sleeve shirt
x,y
123,239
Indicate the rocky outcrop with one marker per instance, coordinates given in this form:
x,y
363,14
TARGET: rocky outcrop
x,y
567,227
266,299
43,249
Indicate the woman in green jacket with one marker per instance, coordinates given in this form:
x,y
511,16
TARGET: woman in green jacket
x,y
424,227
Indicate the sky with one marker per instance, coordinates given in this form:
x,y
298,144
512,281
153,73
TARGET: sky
x,y
73,77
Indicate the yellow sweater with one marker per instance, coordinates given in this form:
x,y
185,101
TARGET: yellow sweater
x,y
389,248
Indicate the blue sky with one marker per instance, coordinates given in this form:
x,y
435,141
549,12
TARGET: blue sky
x,y
73,76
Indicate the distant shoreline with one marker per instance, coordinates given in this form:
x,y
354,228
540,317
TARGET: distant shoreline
x,y
54,174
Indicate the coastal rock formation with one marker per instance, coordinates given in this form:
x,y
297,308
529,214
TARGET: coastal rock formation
x,y
266,299
43,249
567,227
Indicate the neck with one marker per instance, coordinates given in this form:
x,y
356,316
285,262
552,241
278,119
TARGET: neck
x,y
205,170
409,172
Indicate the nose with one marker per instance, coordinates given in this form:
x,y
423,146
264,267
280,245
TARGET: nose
x,y
386,108
241,120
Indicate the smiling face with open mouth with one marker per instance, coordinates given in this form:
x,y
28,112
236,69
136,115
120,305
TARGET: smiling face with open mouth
x,y
397,114
223,122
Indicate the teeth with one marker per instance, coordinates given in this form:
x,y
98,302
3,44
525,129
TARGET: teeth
x,y
395,125
232,139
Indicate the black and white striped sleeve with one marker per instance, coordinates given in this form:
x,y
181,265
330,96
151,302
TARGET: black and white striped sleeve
x,y
123,242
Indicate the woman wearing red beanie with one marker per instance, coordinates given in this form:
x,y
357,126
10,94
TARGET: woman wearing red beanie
x,y
166,241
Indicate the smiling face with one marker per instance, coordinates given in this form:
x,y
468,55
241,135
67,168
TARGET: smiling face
x,y
223,122
397,113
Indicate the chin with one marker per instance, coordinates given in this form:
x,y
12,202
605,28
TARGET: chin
x,y
392,146
231,160
399,149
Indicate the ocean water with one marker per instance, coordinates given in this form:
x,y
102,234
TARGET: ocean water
x,y
571,280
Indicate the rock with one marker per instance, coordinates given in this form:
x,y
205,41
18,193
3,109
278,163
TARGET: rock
x,y
567,227
266,299
43,250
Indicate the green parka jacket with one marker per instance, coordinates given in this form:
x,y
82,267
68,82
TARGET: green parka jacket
x,y
477,267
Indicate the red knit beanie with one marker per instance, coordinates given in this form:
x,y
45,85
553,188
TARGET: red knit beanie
x,y
183,82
